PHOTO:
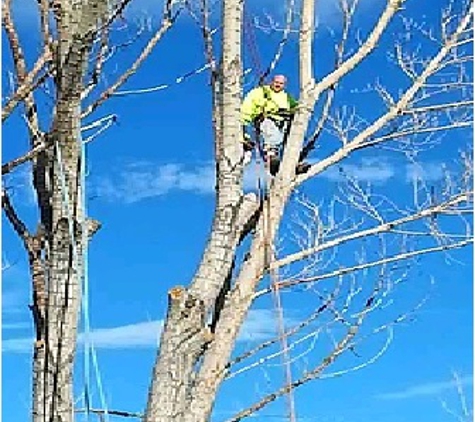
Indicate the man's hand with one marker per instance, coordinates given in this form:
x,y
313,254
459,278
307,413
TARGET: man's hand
x,y
248,143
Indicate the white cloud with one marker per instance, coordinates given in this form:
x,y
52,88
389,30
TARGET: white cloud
x,y
17,345
142,180
139,181
428,172
426,389
13,302
146,180
383,170
375,170
142,334
260,325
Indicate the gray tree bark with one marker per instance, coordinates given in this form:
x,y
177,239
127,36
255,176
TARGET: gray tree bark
x,y
64,226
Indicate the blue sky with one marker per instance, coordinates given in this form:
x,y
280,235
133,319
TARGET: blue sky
x,y
151,185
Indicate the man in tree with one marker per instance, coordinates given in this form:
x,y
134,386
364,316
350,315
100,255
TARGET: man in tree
x,y
270,109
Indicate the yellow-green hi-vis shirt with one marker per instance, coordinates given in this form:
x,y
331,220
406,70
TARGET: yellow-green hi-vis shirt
x,y
265,100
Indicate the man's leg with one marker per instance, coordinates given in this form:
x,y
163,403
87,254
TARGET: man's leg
x,y
273,138
247,145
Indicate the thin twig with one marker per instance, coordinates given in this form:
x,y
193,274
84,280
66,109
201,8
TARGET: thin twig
x,y
166,25
112,413
8,167
398,257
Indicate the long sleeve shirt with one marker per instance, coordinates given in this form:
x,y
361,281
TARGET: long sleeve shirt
x,y
265,100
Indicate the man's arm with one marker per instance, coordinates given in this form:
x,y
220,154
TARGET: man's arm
x,y
293,104
248,107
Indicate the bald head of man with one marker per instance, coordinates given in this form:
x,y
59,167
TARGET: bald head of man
x,y
278,83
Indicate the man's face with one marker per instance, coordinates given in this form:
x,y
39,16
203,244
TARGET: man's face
x,y
278,83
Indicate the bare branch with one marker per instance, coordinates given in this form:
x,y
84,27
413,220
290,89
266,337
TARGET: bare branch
x,y
8,167
402,104
404,256
112,413
18,225
348,12
165,26
315,373
26,81
384,227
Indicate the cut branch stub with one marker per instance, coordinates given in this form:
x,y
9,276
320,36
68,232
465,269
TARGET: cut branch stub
x,y
183,339
93,227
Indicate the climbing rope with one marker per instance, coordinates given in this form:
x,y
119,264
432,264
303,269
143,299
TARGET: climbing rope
x,y
269,252
270,257
274,278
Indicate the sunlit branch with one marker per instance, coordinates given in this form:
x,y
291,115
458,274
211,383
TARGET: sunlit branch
x,y
166,25
25,80
177,81
289,332
8,167
438,107
395,258
455,125
102,128
385,227
368,362
100,59
283,41
403,103
348,13
341,347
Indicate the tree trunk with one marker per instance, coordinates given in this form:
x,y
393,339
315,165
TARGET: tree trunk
x,y
171,391
58,183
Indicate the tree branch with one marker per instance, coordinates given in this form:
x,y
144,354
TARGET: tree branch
x,y
398,108
338,350
18,225
384,227
166,25
395,258
112,413
8,167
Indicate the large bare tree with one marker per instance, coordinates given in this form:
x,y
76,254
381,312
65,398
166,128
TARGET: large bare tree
x,y
346,249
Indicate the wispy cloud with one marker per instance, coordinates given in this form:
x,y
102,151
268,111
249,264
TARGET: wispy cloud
x,y
425,389
138,181
380,170
375,170
15,290
20,186
141,334
428,172
260,325
147,180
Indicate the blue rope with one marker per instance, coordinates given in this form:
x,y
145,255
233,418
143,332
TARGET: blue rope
x,y
85,289
89,350
67,207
